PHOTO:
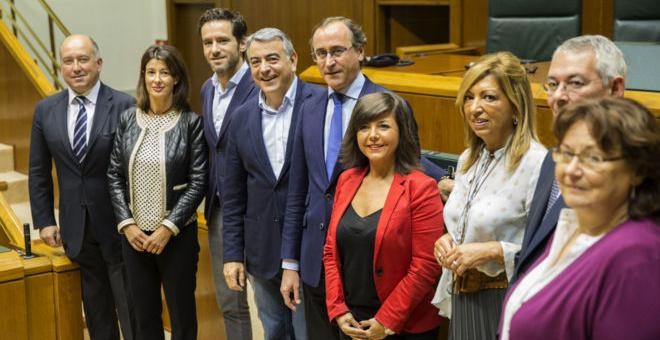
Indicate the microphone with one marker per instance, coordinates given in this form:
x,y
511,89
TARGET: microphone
x,y
28,242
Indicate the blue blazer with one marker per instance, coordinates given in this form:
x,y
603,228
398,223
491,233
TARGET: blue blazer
x,y
309,204
539,229
84,195
217,143
253,199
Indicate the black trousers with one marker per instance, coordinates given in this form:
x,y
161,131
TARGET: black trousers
x,y
105,291
175,269
316,313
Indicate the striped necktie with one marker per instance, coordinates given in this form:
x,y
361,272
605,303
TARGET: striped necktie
x,y
554,195
334,135
80,131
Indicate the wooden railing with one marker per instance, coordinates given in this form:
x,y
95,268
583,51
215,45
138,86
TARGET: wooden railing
x,y
44,52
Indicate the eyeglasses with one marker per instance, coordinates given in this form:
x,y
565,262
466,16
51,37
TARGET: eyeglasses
x,y
589,159
335,51
574,85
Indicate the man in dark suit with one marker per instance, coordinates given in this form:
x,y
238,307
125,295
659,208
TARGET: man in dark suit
x,y
223,34
582,67
75,128
338,49
257,178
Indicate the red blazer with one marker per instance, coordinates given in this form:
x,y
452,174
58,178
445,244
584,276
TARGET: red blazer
x,y
405,271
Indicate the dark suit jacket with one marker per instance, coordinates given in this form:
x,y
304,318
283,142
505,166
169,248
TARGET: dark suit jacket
x,y
83,188
218,143
405,271
253,199
539,229
311,193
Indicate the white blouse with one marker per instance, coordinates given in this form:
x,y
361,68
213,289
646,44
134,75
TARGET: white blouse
x,y
545,272
489,203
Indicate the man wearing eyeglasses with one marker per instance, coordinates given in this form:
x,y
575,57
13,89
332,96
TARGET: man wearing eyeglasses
x,y
338,49
588,66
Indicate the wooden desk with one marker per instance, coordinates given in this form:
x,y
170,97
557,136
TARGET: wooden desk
x,y
454,65
432,98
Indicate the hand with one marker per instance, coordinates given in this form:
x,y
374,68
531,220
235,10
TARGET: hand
x,y
234,275
157,241
135,236
290,288
51,235
444,246
374,329
469,255
445,186
351,327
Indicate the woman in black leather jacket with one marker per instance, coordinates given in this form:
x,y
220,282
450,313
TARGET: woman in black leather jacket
x,y
157,176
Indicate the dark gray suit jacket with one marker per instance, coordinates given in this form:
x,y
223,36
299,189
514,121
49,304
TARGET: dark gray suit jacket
x,y
539,225
83,187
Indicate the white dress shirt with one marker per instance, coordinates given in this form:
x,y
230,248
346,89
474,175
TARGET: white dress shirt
x,y
222,97
275,124
348,104
74,107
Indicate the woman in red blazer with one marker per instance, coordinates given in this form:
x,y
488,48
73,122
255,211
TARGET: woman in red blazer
x,y
380,272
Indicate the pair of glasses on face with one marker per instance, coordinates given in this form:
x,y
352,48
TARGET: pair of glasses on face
x,y
551,86
335,52
589,159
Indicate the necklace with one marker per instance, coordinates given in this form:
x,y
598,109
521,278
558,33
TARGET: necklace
x,y
486,166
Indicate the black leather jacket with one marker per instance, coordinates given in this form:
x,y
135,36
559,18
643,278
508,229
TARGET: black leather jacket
x,y
186,158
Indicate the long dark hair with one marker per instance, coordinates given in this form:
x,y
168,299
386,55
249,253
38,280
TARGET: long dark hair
x,y
177,67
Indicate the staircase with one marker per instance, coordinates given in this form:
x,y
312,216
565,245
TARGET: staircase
x,y
16,193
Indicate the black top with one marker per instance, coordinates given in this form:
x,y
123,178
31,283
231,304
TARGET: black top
x,y
355,240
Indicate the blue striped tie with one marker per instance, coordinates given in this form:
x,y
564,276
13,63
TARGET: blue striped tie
x,y
80,131
334,135
554,195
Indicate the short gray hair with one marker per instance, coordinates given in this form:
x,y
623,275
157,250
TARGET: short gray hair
x,y
609,58
270,34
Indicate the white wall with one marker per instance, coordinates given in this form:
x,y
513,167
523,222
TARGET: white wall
x,y
122,28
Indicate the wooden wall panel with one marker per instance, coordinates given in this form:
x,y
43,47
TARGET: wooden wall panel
x,y
13,324
184,35
18,96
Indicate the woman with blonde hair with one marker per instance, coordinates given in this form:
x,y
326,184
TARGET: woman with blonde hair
x,y
486,213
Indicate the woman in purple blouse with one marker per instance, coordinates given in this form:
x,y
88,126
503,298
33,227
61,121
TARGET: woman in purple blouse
x,y
599,277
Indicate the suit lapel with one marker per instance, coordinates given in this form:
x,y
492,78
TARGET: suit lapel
x,y
316,119
302,94
207,110
101,115
243,91
350,187
61,112
396,190
541,194
255,129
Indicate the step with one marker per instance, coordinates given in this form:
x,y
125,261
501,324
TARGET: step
x,y
6,158
17,186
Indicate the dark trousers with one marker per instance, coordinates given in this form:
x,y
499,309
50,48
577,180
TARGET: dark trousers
x,y
316,313
105,290
175,269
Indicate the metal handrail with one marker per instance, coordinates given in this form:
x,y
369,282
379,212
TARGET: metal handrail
x,y
51,68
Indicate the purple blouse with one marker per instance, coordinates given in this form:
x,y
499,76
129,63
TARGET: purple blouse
x,y
612,291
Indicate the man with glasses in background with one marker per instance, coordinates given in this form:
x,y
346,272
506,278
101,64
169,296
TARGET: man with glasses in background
x,y
583,67
338,49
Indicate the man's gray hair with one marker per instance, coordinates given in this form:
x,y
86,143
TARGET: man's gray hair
x,y
609,58
270,34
